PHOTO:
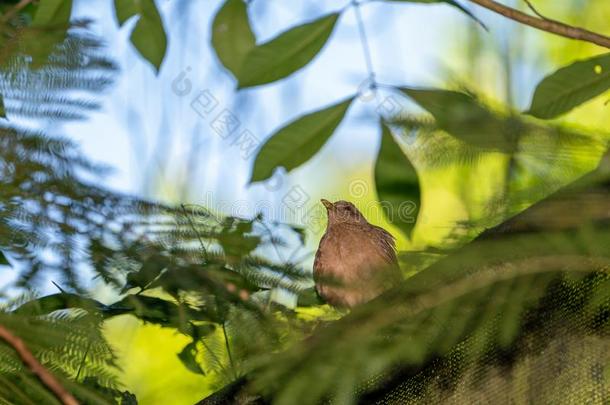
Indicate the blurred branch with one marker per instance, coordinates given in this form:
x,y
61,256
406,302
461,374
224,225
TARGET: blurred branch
x,y
38,369
13,11
545,24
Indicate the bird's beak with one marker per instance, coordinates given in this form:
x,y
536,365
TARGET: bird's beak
x,y
327,204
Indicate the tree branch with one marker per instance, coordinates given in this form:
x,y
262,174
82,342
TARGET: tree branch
x,y
545,24
38,369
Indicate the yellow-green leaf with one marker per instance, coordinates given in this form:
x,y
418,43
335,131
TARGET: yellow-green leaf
x,y
53,13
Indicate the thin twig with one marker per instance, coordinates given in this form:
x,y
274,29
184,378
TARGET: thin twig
x,y
82,363
545,24
366,49
228,346
531,7
48,379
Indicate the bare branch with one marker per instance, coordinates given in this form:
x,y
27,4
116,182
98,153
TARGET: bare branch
x,y
48,379
545,24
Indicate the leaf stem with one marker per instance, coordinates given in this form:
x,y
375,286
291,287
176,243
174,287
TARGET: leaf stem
x,y
82,363
228,346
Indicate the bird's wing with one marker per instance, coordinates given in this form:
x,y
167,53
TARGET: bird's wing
x,y
367,249
385,240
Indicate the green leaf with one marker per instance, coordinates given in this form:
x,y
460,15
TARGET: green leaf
x,y
53,13
232,36
462,116
187,357
157,311
149,272
2,108
125,9
309,298
450,2
54,17
57,302
297,142
397,183
3,260
148,36
286,53
571,86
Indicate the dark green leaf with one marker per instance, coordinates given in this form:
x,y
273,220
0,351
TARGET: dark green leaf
x,y
187,357
309,298
571,86
148,36
150,270
53,13
462,116
286,53
112,395
297,142
450,2
236,239
397,183
300,231
3,260
3,115
56,302
157,311
232,36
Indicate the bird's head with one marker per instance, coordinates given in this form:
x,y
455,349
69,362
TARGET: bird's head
x,y
342,212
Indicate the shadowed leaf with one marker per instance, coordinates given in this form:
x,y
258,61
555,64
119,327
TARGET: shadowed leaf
x,y
397,183
187,357
462,116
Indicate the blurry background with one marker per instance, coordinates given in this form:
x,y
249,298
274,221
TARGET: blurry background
x,y
162,148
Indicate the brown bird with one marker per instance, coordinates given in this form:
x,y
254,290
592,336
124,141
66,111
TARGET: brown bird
x,y
356,261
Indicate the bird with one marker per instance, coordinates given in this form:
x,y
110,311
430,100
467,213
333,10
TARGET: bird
x,y
356,260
